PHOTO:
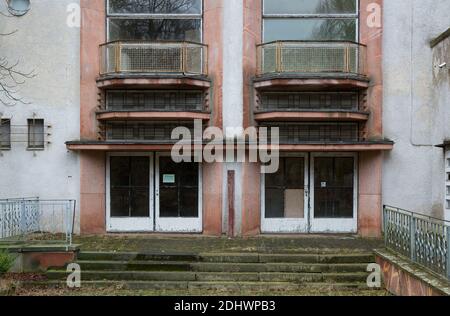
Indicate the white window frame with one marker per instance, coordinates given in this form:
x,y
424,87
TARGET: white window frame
x,y
287,225
335,225
178,224
129,224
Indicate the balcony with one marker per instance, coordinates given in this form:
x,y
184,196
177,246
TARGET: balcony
x,y
153,64
150,105
311,106
311,65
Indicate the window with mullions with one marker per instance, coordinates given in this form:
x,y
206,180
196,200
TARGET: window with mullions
x,y
177,20
319,20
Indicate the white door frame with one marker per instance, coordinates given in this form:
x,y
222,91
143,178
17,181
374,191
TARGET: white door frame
x,y
129,224
287,225
335,225
181,224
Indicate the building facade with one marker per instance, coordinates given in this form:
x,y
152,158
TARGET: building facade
x,y
416,100
328,74
34,160
169,63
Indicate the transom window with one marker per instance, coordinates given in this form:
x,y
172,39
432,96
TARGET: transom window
x,y
318,20
177,20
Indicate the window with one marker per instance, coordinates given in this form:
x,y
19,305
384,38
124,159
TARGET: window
x,y
177,20
36,134
319,20
447,180
154,100
5,134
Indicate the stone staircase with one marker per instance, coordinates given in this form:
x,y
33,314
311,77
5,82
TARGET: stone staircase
x,y
230,272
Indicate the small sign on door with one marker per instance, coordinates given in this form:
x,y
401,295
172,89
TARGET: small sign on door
x,y
168,178
323,184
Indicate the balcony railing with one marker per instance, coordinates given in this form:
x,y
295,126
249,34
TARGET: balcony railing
x,y
423,239
153,57
307,57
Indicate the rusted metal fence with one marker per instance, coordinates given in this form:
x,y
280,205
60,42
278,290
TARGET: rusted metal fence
x,y
153,57
311,57
423,239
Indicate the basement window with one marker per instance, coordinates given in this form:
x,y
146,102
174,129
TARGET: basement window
x,y
5,134
36,136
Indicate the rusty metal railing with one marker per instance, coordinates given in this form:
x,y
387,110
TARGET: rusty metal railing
x,y
310,57
153,57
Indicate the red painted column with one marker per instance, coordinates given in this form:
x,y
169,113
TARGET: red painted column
x,y
251,175
371,163
213,173
92,165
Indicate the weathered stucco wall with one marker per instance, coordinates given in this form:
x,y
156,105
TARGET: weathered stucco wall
x,y
45,43
413,115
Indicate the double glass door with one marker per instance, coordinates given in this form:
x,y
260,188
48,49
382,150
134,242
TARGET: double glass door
x,y
311,193
150,192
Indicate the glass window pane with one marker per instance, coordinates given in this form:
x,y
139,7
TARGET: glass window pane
x,y
155,6
36,133
189,202
129,178
274,203
155,29
333,187
309,29
168,202
5,134
310,6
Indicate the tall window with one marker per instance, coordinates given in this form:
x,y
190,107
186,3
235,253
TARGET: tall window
x,y
178,20
36,137
310,20
5,134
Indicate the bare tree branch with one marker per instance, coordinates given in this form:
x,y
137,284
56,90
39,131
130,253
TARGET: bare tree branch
x,y
11,76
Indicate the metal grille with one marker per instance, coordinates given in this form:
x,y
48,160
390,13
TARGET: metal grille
x,y
28,219
292,101
425,240
36,134
144,131
311,57
154,101
294,133
153,57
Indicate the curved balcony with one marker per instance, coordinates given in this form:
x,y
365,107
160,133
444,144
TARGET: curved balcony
x,y
310,106
153,64
309,65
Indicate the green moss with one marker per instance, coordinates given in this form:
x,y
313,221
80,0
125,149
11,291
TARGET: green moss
x,y
6,261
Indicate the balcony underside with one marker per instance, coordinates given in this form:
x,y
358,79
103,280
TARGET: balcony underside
x,y
310,82
155,81
151,116
292,116
306,147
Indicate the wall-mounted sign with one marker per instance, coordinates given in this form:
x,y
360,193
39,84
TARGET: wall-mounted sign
x,y
323,184
168,178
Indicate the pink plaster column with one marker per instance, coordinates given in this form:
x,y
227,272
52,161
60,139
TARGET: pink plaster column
x,y
369,200
92,164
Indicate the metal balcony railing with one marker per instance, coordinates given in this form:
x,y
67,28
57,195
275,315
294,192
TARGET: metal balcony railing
x,y
33,219
423,239
153,57
311,57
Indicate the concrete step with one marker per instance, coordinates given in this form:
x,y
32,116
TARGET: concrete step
x,y
136,256
214,276
210,287
218,267
230,257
